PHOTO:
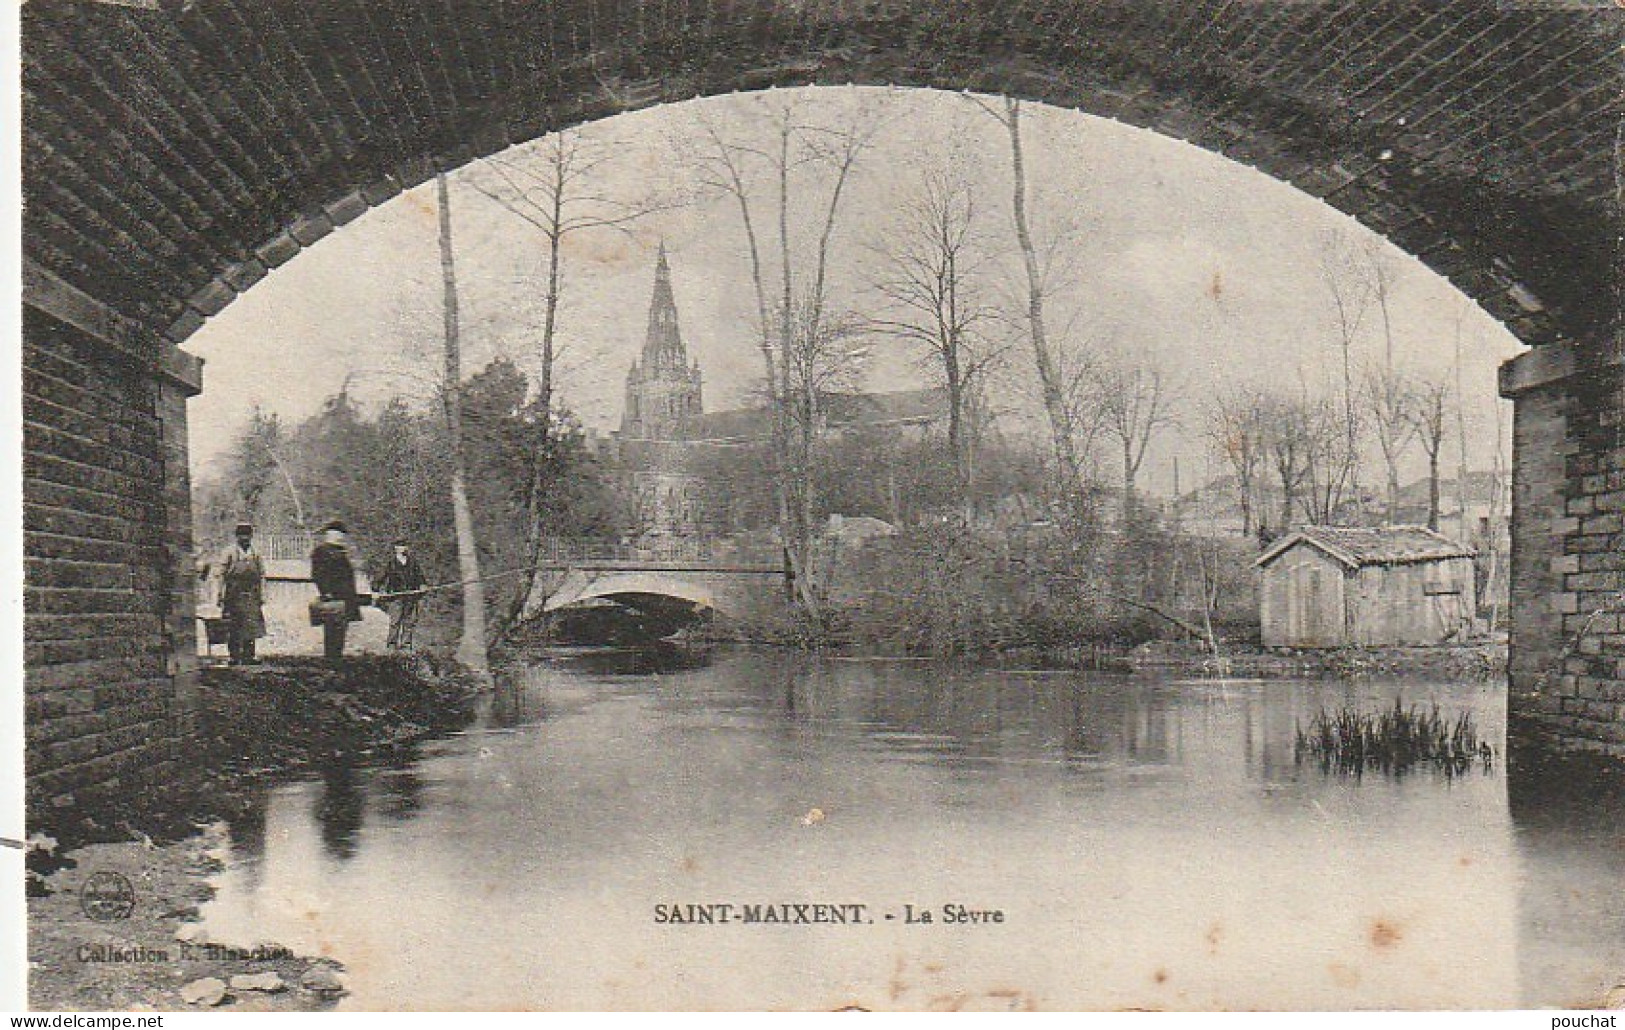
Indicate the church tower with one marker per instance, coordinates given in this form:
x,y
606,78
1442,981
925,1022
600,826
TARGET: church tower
x,y
662,388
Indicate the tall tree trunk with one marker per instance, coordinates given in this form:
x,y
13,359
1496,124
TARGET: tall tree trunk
x,y
1462,530
471,649
537,485
795,490
958,445
1128,483
1049,377
1433,489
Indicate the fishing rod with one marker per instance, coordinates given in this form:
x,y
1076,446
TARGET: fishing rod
x,y
558,566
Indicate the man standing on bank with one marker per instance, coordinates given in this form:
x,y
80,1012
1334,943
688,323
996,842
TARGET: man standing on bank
x,y
403,581
334,576
242,596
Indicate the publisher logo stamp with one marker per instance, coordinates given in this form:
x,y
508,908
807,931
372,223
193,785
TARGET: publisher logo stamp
x,y
107,897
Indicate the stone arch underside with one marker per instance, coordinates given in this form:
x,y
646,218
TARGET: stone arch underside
x,y
728,594
174,154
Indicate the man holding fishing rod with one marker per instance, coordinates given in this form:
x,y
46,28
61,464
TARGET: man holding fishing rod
x,y
400,592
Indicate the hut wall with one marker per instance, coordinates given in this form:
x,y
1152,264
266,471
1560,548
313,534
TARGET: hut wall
x,y
1416,603
1302,600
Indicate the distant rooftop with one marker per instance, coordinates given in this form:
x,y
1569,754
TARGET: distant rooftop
x,y
1356,546
840,410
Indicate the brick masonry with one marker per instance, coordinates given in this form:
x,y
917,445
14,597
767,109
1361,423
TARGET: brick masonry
x,y
1568,533
107,628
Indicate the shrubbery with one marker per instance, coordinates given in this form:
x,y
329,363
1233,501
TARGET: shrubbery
x,y
947,591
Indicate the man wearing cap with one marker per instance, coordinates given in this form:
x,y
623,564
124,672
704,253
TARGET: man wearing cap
x,y
242,596
334,576
403,581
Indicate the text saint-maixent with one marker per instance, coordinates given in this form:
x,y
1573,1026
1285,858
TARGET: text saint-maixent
x,y
788,913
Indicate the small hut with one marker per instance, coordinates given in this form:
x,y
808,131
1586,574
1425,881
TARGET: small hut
x,y
1336,586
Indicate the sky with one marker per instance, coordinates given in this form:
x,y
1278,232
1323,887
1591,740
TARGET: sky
x,y
1163,250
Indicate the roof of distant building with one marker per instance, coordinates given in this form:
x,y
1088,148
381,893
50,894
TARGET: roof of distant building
x,y
840,410
1357,546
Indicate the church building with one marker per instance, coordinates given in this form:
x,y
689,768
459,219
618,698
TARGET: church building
x,y
666,435
663,407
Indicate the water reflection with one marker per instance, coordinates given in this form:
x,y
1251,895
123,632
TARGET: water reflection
x,y
398,788
340,810
508,704
1153,844
1570,820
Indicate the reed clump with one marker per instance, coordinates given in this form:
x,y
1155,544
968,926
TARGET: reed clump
x,y
1394,741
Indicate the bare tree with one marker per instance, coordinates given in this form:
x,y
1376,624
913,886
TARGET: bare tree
x,y
1461,418
1051,377
1343,268
556,188
1389,401
1428,407
1236,430
1284,422
1135,399
471,648
1328,458
931,282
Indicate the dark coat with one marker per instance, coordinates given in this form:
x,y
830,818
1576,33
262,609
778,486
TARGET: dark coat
x,y
402,577
334,576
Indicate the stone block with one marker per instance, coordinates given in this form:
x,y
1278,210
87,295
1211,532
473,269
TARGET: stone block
x,y
1613,501
213,298
347,208
1610,560
278,250
307,229
1611,522
1594,582
189,322
381,190
244,274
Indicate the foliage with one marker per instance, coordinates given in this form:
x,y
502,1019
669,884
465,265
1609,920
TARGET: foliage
x,y
385,473
946,590
1393,741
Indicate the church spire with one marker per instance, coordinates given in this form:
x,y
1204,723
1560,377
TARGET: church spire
x,y
663,346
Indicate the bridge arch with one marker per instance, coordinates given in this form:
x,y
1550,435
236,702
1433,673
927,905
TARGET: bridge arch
x,y
1478,140
176,151
611,586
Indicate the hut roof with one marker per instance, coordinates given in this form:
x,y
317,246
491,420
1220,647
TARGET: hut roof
x,y
1356,546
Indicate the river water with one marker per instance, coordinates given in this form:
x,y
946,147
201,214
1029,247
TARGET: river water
x,y
1147,843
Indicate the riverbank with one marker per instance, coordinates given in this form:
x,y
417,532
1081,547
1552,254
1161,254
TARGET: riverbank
x,y
86,953
1475,661
114,892
1483,661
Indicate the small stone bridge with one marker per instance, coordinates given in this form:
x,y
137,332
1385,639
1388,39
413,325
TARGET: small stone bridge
x,y
671,578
